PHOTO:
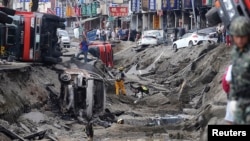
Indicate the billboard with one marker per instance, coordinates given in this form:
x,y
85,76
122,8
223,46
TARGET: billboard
x,y
118,11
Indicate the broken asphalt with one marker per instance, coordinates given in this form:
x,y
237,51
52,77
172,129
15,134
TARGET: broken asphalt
x,y
185,95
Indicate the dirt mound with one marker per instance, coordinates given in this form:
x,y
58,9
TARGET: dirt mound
x,y
24,88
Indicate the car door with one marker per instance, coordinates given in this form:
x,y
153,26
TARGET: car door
x,y
183,42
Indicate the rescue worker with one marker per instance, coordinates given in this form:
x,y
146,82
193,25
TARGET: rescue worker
x,y
119,82
142,89
240,91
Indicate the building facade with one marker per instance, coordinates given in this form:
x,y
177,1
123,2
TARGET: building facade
x,y
162,14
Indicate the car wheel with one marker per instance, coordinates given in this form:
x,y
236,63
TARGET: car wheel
x,y
190,44
175,48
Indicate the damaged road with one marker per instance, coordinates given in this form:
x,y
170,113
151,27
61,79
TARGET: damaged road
x,y
180,103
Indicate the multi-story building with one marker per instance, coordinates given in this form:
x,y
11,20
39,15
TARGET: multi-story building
x,y
162,14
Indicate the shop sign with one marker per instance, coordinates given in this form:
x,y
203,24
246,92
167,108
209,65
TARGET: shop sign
x,y
118,11
69,11
138,5
171,4
94,9
89,10
133,5
58,11
84,10
152,6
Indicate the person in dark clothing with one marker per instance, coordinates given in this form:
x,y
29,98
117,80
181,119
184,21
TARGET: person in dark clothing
x,y
84,50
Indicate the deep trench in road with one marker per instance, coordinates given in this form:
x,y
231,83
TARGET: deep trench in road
x,y
181,100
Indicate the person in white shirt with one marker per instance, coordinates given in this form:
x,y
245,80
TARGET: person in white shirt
x,y
98,33
76,32
113,34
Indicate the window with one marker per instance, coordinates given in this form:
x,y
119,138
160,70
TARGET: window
x,y
186,35
11,34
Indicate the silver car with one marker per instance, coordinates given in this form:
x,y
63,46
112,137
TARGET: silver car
x,y
64,36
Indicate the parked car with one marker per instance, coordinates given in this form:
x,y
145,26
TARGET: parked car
x,y
191,39
65,39
210,31
152,37
173,34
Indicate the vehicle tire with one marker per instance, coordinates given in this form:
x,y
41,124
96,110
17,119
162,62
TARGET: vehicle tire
x,y
175,48
8,11
190,44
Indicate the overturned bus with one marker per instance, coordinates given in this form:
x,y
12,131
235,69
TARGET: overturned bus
x,y
82,93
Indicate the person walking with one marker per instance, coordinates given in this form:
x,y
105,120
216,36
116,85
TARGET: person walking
x,y
83,50
103,35
119,82
119,32
239,94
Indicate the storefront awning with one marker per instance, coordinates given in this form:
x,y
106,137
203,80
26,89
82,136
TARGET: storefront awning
x,y
89,19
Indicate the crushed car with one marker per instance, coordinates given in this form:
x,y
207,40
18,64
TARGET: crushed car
x,y
82,93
